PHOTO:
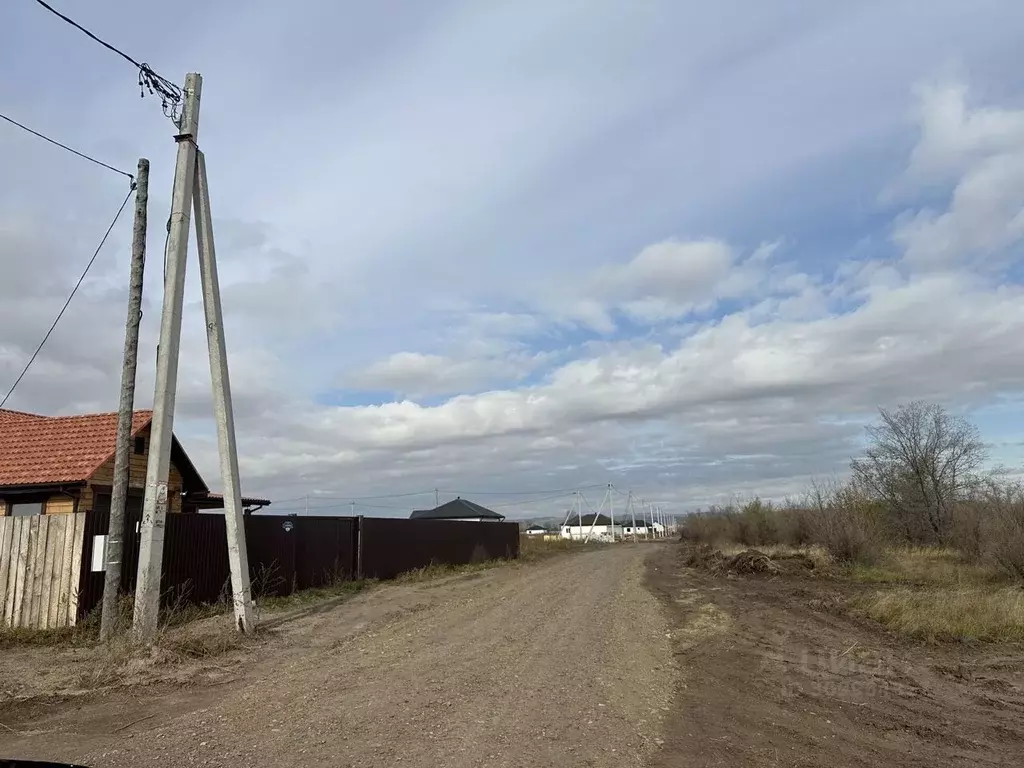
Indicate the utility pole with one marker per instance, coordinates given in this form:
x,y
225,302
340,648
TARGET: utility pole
x,y
154,508
611,510
125,411
632,512
223,410
437,499
190,187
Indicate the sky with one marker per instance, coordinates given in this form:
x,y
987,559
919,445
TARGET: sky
x,y
508,250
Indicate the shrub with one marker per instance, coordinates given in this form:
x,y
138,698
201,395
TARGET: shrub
x,y
850,526
758,524
1003,528
796,526
716,526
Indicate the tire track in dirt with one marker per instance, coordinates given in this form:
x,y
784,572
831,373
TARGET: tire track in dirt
x,y
565,662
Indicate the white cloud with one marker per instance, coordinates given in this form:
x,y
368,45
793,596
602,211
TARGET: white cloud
x,y
985,217
955,137
980,152
479,205
417,375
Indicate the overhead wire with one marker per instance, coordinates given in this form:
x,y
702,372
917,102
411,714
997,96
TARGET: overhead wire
x,y
73,151
528,493
343,502
523,502
318,497
169,93
70,297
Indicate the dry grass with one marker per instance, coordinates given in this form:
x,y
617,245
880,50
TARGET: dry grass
x,y
341,588
932,594
533,548
960,613
441,570
925,566
929,594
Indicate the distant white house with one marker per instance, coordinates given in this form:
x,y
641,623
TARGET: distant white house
x,y
594,527
535,530
640,529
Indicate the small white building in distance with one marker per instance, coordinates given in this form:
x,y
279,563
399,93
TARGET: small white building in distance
x,y
535,530
640,528
596,527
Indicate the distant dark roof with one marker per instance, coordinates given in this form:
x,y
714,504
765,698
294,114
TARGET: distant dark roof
x,y
589,520
536,527
456,509
216,501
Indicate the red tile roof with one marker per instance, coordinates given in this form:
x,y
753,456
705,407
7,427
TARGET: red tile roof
x,y
37,450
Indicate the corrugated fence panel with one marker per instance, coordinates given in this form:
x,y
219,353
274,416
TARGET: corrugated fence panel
x,y
38,575
195,559
393,546
271,548
324,550
287,553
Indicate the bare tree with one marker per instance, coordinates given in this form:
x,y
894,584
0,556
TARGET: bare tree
x,y
921,461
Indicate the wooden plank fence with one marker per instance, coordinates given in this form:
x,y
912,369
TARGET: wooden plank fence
x,y
40,562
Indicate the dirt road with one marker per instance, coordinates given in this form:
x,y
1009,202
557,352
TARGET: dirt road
x,y
565,662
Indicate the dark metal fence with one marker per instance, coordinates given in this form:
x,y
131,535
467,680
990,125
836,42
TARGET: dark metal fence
x,y
392,546
288,553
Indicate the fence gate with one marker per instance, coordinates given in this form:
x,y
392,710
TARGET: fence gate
x,y
40,562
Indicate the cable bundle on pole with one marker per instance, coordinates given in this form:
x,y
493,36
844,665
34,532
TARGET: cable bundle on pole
x,y
149,81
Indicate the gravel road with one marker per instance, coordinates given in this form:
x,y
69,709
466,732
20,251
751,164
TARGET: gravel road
x,y
564,662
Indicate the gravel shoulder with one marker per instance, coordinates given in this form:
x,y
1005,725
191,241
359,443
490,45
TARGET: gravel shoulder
x,y
563,662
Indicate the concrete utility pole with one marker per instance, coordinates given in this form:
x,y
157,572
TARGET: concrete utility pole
x,y
593,522
126,407
611,510
632,512
234,520
154,506
190,185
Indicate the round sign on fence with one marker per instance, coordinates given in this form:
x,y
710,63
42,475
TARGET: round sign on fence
x,y
287,525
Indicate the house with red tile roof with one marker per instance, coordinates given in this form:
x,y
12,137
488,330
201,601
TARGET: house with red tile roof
x,y
62,464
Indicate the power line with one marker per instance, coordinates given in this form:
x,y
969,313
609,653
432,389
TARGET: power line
x,y
70,297
528,493
66,147
318,497
169,93
525,502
